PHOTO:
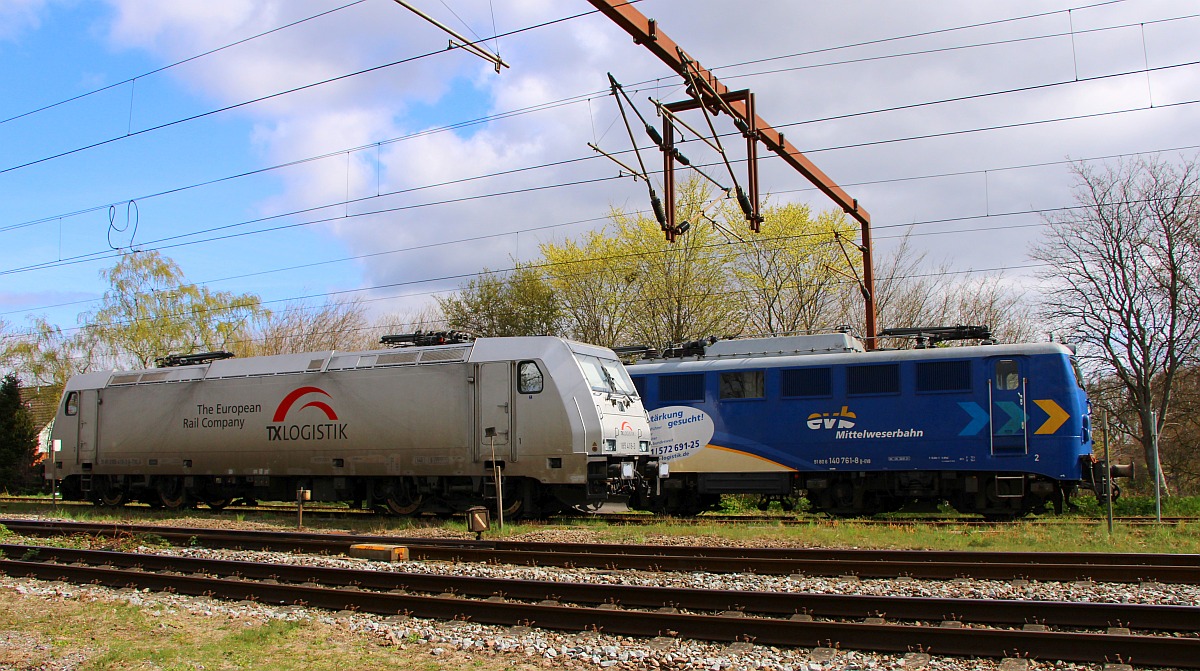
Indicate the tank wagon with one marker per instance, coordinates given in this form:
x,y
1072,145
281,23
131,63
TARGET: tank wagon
x,y
414,429
999,430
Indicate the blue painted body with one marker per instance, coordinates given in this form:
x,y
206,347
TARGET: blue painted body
x,y
940,410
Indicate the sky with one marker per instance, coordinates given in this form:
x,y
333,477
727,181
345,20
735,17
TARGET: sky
x,y
348,153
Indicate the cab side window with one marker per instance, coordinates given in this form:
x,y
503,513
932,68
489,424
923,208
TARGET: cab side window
x,y
529,378
1008,377
72,405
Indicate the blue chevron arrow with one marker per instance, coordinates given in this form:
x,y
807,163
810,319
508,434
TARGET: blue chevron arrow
x,y
1016,418
979,418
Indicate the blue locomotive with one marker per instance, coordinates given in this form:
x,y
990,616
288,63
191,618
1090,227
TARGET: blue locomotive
x,y
998,430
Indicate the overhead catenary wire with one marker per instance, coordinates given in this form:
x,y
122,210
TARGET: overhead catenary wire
x,y
588,97
277,94
749,243
174,64
102,254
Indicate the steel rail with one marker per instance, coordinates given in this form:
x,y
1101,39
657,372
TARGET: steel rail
x,y
1119,558
1142,650
769,561
983,611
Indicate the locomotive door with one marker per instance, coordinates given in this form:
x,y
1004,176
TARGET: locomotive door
x,y
493,411
1007,401
89,425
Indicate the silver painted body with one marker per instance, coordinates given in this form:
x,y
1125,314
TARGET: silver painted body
x,y
417,411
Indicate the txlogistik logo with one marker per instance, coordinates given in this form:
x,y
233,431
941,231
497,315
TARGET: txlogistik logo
x,y
306,431
843,419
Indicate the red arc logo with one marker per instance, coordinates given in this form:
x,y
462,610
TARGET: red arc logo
x,y
286,404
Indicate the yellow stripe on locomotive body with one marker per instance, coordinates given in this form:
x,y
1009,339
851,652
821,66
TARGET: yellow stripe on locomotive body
x,y
714,457
995,429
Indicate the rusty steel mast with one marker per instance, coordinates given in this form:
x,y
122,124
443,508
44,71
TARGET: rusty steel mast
x,y
713,96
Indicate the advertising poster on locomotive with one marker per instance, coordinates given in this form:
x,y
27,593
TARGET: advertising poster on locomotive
x,y
679,431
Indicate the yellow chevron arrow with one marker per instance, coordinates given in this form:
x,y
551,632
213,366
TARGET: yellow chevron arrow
x,y
1056,413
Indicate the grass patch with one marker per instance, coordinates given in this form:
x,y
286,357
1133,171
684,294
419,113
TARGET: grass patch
x,y
102,635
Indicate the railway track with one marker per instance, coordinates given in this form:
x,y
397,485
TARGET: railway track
x,y
775,619
634,519
937,565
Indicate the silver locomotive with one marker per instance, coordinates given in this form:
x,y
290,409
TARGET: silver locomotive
x,y
540,422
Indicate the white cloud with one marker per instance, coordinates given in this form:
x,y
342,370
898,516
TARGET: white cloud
x,y
571,58
18,16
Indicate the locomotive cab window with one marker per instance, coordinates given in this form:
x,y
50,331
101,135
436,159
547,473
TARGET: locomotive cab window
x,y
606,375
72,405
742,384
529,378
1008,376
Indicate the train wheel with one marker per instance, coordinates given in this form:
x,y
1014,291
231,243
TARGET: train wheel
x,y
216,504
171,493
108,493
403,498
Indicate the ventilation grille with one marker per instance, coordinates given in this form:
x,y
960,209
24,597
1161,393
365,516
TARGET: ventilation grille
x,y
444,355
806,382
396,359
681,387
944,376
873,379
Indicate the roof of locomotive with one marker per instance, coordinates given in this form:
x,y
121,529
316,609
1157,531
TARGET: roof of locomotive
x,y
762,354
481,349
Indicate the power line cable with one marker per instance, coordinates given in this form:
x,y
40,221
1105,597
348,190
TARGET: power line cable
x,y
270,96
178,63
749,244
108,254
587,98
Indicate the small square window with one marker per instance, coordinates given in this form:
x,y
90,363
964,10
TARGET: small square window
x,y
1008,375
742,384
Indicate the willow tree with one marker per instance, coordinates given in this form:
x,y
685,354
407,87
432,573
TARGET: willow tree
x,y
149,311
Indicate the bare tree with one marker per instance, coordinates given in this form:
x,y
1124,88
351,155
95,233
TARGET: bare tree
x,y
911,291
1122,279
298,327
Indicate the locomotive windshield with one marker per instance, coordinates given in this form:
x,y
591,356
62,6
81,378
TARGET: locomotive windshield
x,y
606,375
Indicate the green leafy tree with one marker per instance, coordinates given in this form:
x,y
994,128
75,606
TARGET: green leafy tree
x,y
628,285
48,357
150,312
18,440
519,303
594,285
791,275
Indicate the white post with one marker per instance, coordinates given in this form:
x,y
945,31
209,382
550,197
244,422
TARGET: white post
x,y
1157,468
1108,474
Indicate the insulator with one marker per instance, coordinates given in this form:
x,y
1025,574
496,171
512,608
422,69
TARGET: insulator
x,y
681,158
745,203
654,136
658,210
741,126
682,228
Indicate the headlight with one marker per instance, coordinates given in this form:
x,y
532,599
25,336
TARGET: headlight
x,y
643,446
610,444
